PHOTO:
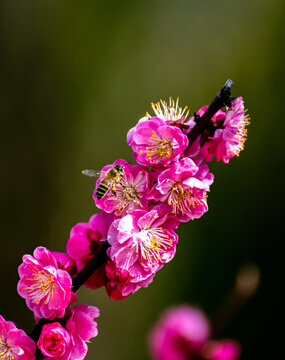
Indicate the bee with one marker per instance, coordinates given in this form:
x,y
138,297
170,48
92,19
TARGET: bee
x,y
112,177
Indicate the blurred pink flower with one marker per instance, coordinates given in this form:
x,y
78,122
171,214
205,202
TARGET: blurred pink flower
x,y
183,187
85,240
155,143
183,333
131,191
222,350
14,343
46,288
179,334
54,340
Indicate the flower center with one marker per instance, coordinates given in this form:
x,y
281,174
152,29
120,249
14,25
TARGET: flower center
x,y
183,200
43,286
127,197
241,136
6,351
55,343
171,112
155,242
160,148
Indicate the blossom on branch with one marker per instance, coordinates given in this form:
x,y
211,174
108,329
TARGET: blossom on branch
x,y
155,143
69,343
130,193
81,327
228,141
46,288
54,340
183,187
170,113
14,343
226,136
141,243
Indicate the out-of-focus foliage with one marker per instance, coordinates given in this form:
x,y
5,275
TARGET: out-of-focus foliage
x,y
75,76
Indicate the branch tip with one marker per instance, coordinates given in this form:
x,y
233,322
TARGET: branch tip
x,y
223,98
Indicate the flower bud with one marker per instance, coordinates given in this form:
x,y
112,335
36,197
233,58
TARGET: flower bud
x,y
115,274
54,340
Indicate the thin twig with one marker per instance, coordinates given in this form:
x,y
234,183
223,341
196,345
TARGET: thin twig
x,y
98,259
222,99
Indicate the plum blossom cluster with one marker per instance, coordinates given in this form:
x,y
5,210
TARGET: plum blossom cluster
x,y
133,237
225,136
14,342
169,186
183,333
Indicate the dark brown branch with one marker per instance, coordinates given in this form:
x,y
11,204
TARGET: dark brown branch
x,y
98,259
222,99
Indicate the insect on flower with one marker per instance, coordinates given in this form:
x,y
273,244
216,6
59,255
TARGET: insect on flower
x,y
112,177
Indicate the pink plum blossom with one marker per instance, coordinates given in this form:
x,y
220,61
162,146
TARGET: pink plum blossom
x,y
229,134
180,334
130,192
14,343
155,143
85,240
141,243
228,141
46,288
80,327
170,113
183,187
54,340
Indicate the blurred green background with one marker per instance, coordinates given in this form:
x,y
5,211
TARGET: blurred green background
x,y
74,77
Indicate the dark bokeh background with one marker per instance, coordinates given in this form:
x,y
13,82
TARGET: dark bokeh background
x,y
74,77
